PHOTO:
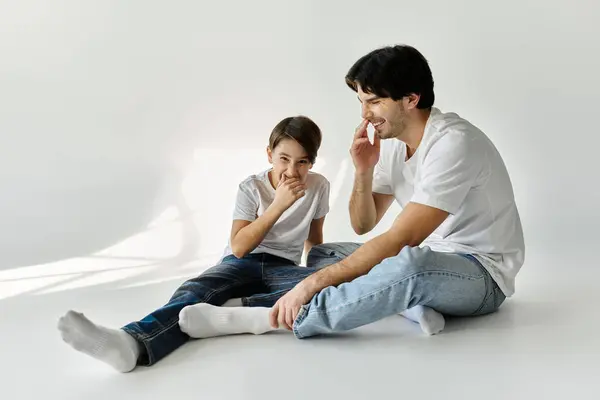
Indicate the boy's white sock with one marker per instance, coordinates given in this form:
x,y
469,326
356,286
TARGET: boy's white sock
x,y
114,347
204,320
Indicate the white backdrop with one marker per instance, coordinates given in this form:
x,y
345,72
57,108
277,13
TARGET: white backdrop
x,y
125,126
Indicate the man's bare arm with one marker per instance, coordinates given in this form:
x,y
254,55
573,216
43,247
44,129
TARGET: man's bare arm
x,y
413,225
367,208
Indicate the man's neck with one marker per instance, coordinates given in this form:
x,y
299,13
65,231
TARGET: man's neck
x,y
415,130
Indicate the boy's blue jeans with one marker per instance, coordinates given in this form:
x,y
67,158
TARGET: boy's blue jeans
x,y
266,276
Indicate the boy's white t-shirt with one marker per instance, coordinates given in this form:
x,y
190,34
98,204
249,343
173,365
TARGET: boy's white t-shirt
x,y
286,238
456,168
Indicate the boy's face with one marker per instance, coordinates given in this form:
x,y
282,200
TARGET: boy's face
x,y
290,159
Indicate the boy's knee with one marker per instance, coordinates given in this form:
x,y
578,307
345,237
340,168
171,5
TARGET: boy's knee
x,y
336,249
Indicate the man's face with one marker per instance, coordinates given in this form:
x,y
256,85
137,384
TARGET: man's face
x,y
387,116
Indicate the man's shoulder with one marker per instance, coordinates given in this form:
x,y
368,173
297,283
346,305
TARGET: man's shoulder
x,y
453,133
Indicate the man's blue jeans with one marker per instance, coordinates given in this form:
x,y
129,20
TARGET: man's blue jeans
x,y
452,284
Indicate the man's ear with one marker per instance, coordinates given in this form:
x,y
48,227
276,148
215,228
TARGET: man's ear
x,y
270,155
412,100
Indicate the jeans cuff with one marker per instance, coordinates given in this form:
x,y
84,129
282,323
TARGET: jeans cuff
x,y
146,357
302,314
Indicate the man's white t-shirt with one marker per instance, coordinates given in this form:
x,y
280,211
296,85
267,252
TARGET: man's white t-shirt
x,y
456,168
286,238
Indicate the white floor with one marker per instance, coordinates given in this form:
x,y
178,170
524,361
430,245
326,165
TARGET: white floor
x,y
542,344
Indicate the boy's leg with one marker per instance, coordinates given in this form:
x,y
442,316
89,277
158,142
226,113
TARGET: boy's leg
x,y
325,254
282,278
204,320
318,257
451,283
158,334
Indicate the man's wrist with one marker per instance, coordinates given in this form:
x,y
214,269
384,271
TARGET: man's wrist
x,y
364,174
363,183
311,285
315,282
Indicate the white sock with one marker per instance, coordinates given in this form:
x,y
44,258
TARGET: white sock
x,y
431,321
115,347
204,320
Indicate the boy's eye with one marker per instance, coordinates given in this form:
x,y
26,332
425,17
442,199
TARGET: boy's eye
x,y
283,159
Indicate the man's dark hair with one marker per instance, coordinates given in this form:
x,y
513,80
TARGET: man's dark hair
x,y
300,128
394,72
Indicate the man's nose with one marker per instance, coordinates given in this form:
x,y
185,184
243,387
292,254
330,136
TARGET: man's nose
x,y
365,112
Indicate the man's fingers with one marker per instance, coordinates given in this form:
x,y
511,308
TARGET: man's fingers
x,y
358,143
281,318
294,315
361,141
273,316
289,318
376,140
361,131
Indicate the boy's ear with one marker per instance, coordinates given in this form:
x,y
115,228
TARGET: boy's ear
x,y
270,155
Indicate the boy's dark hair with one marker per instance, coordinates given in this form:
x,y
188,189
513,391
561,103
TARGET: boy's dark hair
x,y
303,130
394,72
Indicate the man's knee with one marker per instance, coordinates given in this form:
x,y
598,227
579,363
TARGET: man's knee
x,y
411,262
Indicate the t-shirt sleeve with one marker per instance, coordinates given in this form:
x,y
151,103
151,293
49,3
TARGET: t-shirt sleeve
x,y
323,207
381,177
448,171
246,204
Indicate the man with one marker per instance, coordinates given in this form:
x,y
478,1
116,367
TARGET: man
x,y
457,245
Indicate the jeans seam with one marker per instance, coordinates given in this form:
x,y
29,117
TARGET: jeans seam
x,y
299,318
151,356
487,280
373,293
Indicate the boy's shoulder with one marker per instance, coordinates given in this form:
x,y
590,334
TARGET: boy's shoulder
x,y
254,179
316,179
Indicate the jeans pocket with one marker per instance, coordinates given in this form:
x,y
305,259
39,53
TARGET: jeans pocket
x,y
492,302
486,305
499,297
